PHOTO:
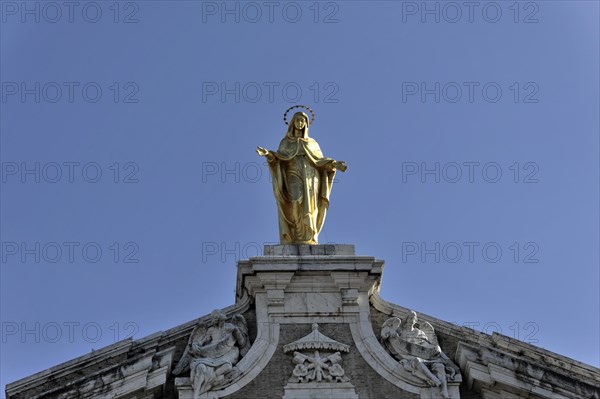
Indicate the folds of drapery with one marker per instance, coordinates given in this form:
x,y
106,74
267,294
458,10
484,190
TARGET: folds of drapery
x,y
301,219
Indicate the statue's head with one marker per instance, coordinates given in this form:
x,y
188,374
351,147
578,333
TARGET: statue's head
x,y
298,126
217,316
411,319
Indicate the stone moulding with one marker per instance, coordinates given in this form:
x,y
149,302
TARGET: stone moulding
x,y
327,390
144,372
489,370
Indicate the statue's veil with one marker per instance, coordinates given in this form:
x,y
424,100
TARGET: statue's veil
x,y
290,130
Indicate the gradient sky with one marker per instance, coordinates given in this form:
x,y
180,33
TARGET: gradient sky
x,y
131,129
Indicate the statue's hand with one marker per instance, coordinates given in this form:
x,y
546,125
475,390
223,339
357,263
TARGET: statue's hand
x,y
263,152
196,349
341,165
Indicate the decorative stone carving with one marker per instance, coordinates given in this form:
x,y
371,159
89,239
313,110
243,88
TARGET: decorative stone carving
x,y
416,347
318,374
317,367
213,350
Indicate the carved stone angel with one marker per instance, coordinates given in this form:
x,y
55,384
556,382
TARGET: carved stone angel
x,y
214,348
416,347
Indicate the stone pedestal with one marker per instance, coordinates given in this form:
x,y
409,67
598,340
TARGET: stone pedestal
x,y
308,283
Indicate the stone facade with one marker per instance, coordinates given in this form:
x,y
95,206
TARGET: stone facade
x,y
327,289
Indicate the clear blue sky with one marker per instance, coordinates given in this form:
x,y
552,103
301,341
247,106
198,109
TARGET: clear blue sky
x,y
131,129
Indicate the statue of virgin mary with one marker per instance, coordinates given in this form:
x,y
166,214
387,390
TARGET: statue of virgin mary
x,y
302,180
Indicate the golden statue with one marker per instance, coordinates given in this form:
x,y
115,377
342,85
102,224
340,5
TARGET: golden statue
x,y
302,180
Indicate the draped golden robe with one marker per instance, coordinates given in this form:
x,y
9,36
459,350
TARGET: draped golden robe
x,y
302,180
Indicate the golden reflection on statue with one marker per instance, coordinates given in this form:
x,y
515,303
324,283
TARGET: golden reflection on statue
x,y
302,180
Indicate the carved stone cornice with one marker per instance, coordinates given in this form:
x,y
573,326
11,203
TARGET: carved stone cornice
x,y
494,371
